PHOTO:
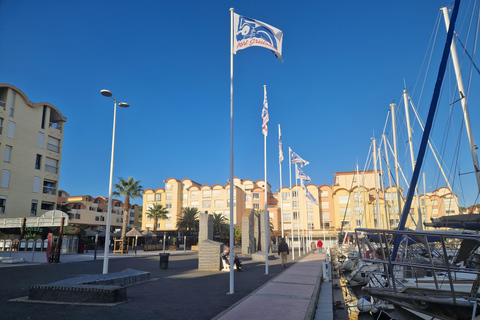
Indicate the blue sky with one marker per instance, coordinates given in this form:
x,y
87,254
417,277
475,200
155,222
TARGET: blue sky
x,y
345,62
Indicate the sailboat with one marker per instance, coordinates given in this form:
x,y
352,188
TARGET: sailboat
x,y
430,279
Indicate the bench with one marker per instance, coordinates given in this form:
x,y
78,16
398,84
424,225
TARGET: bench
x,y
226,265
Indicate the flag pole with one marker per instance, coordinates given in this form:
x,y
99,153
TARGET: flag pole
x,y
298,216
280,159
231,154
291,199
267,222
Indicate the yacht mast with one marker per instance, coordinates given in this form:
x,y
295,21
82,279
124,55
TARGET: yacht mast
x,y
463,100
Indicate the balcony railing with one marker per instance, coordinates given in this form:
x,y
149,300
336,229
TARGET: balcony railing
x,y
49,190
51,169
53,147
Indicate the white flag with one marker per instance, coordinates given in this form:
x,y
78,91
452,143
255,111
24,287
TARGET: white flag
x,y
250,32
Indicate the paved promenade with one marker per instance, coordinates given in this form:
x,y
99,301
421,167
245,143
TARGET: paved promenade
x,y
179,292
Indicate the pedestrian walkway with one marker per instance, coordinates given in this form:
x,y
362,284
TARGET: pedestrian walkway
x,y
293,294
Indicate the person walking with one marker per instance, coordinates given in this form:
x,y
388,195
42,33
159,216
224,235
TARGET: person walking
x,y
319,245
283,252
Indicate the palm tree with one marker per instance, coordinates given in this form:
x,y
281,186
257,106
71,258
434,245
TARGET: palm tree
x,y
157,212
130,189
188,221
64,207
220,224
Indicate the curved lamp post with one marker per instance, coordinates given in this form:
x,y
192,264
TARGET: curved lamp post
x,y
108,94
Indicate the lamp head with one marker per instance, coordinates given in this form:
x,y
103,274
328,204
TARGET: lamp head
x,y
124,104
106,93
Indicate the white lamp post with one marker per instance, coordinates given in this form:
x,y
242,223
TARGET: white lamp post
x,y
108,94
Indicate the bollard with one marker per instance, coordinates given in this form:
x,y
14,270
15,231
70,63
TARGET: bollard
x,y
164,260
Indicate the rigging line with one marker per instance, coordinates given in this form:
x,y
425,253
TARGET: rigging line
x,y
475,41
433,40
468,55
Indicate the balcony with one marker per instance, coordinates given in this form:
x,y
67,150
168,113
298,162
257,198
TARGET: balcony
x,y
49,190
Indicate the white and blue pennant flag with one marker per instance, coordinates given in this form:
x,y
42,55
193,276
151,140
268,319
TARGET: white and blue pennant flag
x,y
296,159
280,145
301,175
250,32
265,112
310,197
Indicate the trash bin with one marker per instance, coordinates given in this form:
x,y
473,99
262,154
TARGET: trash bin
x,y
164,260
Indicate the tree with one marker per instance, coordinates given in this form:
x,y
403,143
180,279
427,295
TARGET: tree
x,y
220,224
130,189
64,207
157,212
188,221
238,235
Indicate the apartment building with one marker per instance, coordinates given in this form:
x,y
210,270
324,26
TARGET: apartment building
x,y
92,211
354,200
31,141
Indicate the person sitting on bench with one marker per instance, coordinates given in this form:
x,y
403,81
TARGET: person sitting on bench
x,y
226,256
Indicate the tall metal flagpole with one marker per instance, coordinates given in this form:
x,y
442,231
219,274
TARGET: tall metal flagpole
x,y
267,222
298,215
231,154
280,159
291,199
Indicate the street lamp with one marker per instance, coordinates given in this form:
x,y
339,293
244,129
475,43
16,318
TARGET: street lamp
x,y
108,94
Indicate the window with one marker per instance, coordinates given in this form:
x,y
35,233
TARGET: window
x,y
325,205
194,204
3,203
256,206
169,196
218,203
11,129
51,165
5,178
33,208
286,217
184,196
248,198
358,222
40,140
158,197
168,186
168,206
194,194
390,196
295,215
343,199
323,194
248,187
38,161
310,226
434,211
357,197
347,211
216,194
53,144
1,125
12,103
234,203
8,154
327,224
206,203
36,184
150,197
47,205
256,196
286,196
294,194
168,225
295,205
434,203
310,215
207,194
325,215
287,206
345,223
49,187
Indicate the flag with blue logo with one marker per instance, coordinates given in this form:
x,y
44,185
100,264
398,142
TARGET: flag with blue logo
x,y
250,32
310,197
265,112
301,175
296,159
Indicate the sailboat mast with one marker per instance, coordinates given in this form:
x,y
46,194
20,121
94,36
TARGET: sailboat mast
x,y
397,178
375,173
412,159
463,100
